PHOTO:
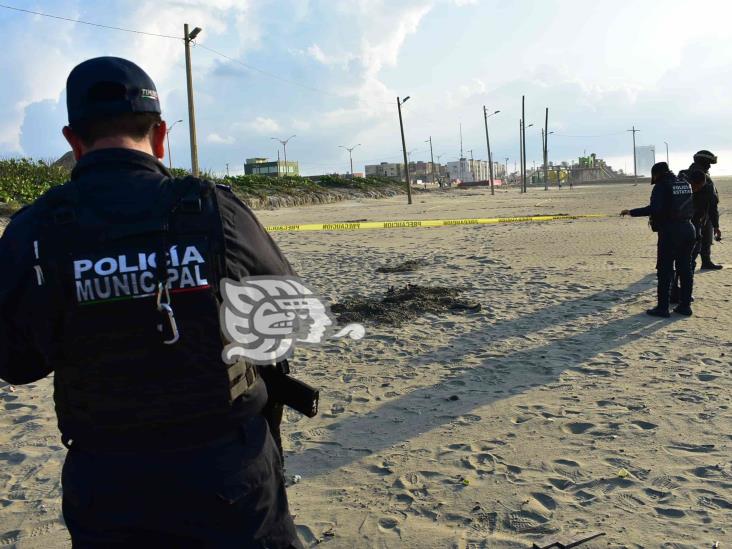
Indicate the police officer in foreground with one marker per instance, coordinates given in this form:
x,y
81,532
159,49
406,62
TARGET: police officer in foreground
x,y
167,446
670,213
703,160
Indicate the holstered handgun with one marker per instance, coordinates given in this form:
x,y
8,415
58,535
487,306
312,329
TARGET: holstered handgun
x,y
284,389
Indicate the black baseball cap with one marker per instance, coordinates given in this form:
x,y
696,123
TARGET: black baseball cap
x,y
106,86
659,168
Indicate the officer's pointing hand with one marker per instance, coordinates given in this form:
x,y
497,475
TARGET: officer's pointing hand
x,y
624,213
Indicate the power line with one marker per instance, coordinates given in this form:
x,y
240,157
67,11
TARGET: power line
x,y
266,73
89,23
216,52
585,136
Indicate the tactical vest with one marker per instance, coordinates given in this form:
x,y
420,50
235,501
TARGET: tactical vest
x,y
138,355
682,200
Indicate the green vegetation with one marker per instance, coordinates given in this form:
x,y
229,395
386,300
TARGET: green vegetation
x,y
23,180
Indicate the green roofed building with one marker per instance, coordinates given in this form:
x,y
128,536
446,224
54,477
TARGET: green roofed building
x,y
276,168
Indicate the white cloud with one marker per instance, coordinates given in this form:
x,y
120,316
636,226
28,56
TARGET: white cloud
x,y
300,125
465,92
263,124
316,52
219,140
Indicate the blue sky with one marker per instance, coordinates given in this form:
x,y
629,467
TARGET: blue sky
x,y
600,67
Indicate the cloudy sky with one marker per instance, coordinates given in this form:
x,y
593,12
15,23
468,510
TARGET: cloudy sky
x,y
329,71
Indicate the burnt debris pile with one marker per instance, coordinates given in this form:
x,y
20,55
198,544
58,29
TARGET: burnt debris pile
x,y
405,267
403,304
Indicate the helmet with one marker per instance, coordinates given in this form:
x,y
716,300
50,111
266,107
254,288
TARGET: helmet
x,y
705,156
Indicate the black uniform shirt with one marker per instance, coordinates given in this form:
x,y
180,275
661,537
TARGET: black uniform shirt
x,y
660,209
118,181
712,211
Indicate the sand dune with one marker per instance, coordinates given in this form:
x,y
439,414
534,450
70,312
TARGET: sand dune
x,y
558,409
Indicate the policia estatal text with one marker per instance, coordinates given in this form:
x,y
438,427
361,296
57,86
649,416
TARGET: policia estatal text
x,y
111,282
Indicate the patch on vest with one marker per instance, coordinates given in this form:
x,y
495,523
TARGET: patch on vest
x,y
133,275
681,188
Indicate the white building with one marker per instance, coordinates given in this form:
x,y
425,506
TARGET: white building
x,y
645,158
386,169
468,170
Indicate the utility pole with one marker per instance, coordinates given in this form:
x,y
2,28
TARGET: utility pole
x,y
167,139
404,148
350,155
523,137
667,161
472,165
488,144
635,162
521,154
227,169
432,160
546,154
187,37
461,151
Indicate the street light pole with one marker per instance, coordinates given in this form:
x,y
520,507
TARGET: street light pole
x,y
167,139
284,148
635,162
667,161
432,160
545,144
404,148
187,37
350,151
488,144
521,154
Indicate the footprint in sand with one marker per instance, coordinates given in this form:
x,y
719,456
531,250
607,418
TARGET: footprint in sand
x,y
577,428
694,448
545,500
388,524
670,512
521,521
561,483
703,376
711,471
644,425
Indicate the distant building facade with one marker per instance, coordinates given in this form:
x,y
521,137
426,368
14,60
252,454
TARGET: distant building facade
x,y
469,170
395,170
645,158
276,168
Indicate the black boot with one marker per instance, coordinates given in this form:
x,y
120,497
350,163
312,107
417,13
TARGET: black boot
x,y
709,266
658,311
683,309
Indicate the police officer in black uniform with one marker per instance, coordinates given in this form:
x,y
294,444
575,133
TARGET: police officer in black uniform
x,y
110,281
704,201
670,213
703,160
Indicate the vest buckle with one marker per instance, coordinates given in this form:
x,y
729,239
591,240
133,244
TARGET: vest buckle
x,y
167,311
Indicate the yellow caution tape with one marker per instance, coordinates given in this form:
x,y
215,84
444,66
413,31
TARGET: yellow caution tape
x,y
409,224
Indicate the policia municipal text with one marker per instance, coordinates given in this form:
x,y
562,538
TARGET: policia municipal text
x,y
110,281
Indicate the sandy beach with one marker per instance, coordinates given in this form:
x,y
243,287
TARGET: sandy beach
x,y
557,410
